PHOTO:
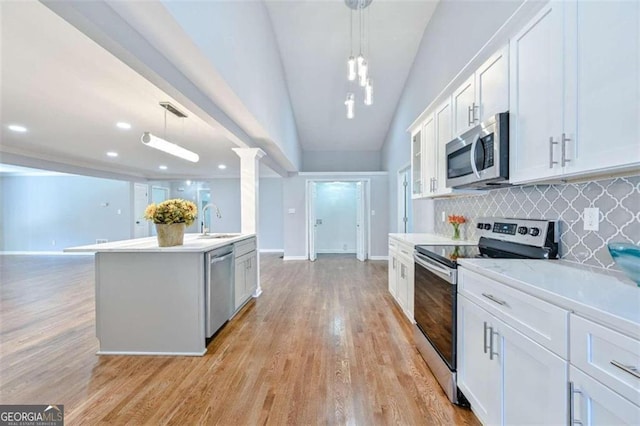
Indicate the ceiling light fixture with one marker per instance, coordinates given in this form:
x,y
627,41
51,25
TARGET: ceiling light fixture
x,y
163,167
222,166
17,128
166,146
123,125
112,154
359,67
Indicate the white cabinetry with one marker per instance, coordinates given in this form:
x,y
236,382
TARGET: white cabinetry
x,y
401,270
604,375
416,164
574,91
508,377
246,272
429,154
464,106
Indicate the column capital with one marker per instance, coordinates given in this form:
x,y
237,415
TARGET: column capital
x,y
249,153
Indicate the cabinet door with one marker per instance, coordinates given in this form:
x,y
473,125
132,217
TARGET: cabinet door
x,y
606,80
478,375
536,96
492,85
393,273
251,277
429,146
403,285
444,134
534,380
464,107
592,403
238,288
416,164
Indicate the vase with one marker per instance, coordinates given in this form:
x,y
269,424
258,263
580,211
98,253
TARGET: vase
x,y
456,231
170,235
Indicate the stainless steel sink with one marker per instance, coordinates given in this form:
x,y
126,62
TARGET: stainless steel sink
x,y
215,236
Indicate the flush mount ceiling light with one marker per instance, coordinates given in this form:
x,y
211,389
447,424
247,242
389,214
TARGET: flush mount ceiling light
x,y
359,66
17,128
122,125
166,146
222,166
112,154
163,167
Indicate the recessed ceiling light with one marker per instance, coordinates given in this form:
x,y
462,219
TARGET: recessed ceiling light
x,y
17,128
222,166
163,167
188,183
123,125
112,154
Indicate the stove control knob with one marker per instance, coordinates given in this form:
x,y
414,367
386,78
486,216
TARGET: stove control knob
x,y
480,226
487,226
523,230
534,232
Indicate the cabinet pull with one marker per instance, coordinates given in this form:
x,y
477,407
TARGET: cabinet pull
x,y
401,271
491,351
394,263
435,184
627,368
564,159
484,337
572,414
495,299
469,119
474,108
551,144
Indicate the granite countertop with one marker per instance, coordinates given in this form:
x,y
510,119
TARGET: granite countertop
x,y
605,296
431,239
191,244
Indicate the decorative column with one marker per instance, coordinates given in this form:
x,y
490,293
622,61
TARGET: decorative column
x,y
249,202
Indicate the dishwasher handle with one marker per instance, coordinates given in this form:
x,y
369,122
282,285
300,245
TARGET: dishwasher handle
x,y
220,258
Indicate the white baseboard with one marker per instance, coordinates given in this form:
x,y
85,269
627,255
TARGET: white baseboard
x,y
271,250
335,251
378,257
295,258
44,253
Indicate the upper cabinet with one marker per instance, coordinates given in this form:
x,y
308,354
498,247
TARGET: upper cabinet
x,y
430,161
492,86
416,164
575,91
443,116
464,106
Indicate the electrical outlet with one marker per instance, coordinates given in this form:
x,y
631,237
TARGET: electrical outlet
x,y
291,211
101,240
53,242
444,217
591,219
119,211
373,212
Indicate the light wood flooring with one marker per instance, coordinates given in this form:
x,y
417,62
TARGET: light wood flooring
x,y
324,344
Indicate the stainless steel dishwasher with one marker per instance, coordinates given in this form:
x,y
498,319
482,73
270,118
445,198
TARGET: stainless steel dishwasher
x,y
219,272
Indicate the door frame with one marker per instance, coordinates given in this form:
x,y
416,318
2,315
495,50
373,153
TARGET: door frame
x,y
366,214
400,202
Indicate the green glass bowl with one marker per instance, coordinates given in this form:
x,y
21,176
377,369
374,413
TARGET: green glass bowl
x,y
627,257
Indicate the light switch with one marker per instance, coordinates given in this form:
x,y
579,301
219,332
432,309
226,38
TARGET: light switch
x,y
591,219
292,211
119,211
373,212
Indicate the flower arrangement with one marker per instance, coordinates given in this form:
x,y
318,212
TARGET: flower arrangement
x,y
456,221
171,211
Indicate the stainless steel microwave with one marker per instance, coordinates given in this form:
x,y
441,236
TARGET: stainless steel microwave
x,y
479,158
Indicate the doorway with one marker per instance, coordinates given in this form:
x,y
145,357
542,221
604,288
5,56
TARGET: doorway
x,y
336,218
204,198
158,195
140,201
405,216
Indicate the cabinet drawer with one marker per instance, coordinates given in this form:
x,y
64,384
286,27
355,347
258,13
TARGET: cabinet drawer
x,y
596,350
541,321
244,246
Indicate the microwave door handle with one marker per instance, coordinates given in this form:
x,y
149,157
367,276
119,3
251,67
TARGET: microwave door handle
x,y
473,155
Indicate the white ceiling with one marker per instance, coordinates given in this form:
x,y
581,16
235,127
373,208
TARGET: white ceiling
x,y
69,92
313,37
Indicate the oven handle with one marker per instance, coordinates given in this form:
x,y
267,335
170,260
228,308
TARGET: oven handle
x,y
473,155
441,271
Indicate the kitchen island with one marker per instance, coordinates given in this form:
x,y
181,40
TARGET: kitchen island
x,y
151,300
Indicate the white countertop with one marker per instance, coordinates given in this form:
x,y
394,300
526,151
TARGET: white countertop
x,y
607,297
191,244
431,239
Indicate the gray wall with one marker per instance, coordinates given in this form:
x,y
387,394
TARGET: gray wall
x,y
456,32
271,217
295,224
38,210
618,201
342,161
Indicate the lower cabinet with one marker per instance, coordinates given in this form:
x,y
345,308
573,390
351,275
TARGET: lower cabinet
x,y
401,271
246,278
507,377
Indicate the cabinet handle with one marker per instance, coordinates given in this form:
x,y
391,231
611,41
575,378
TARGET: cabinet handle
x,y
495,299
394,263
627,368
474,107
469,119
551,144
564,159
484,337
435,184
491,352
572,414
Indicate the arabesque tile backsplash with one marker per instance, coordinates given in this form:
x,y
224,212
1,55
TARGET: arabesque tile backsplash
x,y
618,200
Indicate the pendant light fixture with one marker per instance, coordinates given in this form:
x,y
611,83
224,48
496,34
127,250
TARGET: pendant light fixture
x,y
359,66
163,145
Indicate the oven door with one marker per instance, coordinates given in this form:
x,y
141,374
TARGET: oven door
x,y
435,306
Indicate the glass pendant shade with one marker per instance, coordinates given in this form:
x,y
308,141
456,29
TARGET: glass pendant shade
x,y
350,103
351,65
363,71
368,92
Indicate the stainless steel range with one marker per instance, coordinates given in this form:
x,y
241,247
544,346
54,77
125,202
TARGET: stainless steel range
x,y
436,291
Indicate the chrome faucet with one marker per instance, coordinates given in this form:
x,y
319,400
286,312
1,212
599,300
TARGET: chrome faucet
x,y
205,230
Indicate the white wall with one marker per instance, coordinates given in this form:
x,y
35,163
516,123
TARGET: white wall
x,y
294,190
341,161
336,206
456,32
70,210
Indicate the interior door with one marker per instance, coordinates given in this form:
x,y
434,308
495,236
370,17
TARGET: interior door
x,y
311,196
361,240
140,201
158,195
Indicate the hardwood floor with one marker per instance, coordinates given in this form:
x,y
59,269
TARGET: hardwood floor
x,y
324,344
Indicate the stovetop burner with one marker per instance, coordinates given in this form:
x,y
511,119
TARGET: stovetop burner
x,y
448,255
